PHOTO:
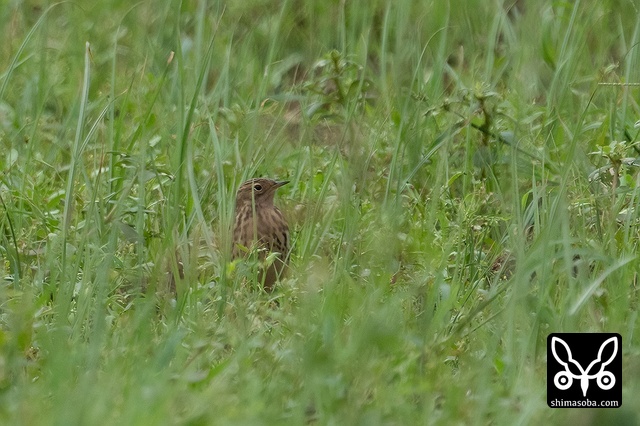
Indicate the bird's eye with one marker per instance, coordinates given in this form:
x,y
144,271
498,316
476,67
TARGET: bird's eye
x,y
257,187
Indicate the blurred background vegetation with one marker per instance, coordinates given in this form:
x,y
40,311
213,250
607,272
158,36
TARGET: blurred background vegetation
x,y
464,181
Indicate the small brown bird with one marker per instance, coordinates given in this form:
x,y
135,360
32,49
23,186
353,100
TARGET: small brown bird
x,y
260,225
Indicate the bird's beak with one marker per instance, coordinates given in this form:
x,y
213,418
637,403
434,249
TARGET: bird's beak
x,y
281,183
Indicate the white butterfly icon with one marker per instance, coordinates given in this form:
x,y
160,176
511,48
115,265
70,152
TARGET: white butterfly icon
x,y
564,379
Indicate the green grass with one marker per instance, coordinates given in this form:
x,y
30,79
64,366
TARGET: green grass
x,y
462,185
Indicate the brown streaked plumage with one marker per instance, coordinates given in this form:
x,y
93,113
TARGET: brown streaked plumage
x,y
260,225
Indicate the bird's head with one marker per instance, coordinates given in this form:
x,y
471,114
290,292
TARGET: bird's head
x,y
259,191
